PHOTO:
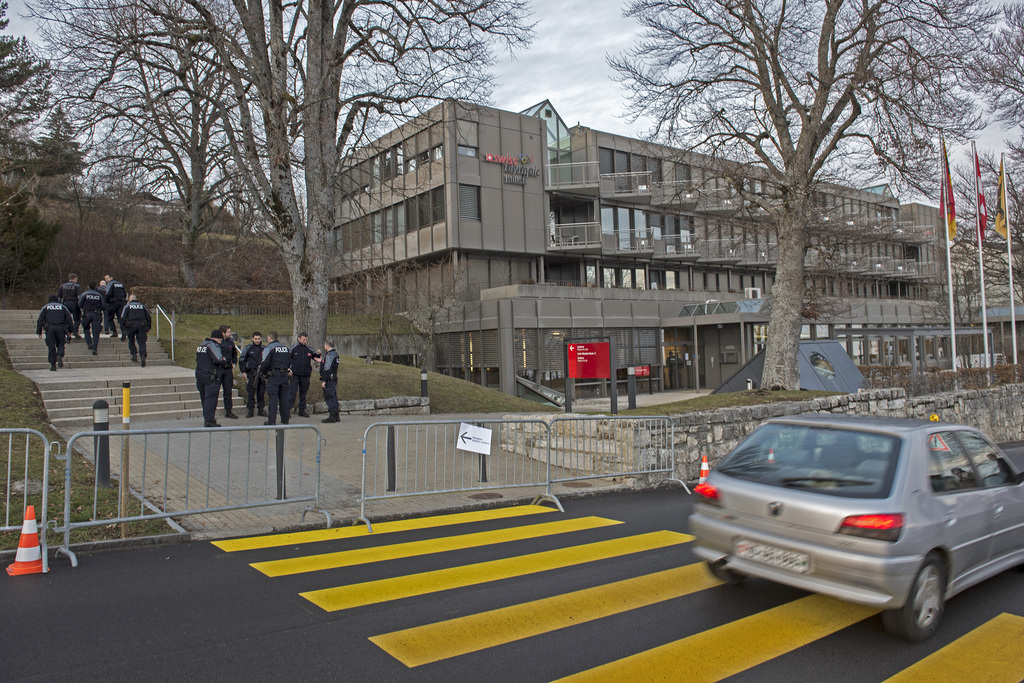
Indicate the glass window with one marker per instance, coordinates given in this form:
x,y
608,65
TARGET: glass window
x,y
607,220
437,153
987,459
591,276
378,235
670,279
400,225
426,217
437,203
948,466
606,160
466,151
469,202
609,277
622,218
641,279
627,278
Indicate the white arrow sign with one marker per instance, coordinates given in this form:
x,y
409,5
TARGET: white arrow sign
x,y
475,439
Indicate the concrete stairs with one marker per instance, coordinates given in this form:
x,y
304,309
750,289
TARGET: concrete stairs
x,y
160,391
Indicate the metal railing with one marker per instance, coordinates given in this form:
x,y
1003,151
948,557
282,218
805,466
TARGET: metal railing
x,y
575,235
26,459
450,456
170,321
632,183
164,473
581,174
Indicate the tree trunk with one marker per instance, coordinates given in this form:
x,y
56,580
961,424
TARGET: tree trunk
x,y
781,363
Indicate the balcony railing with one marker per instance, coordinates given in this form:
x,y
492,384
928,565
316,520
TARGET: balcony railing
x,y
680,193
638,185
576,176
721,251
628,242
682,247
575,236
758,254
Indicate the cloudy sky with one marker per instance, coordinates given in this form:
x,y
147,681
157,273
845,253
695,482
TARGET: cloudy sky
x,y
567,64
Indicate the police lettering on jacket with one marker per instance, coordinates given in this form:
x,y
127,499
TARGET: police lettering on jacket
x,y
276,358
208,359
329,367
136,316
91,300
116,293
52,314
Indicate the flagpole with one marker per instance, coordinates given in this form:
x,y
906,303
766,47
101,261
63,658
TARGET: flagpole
x,y
944,210
1009,255
981,259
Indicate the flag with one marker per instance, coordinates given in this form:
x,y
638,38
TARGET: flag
x,y
1001,203
947,203
982,209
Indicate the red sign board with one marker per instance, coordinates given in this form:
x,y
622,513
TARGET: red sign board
x,y
643,371
589,361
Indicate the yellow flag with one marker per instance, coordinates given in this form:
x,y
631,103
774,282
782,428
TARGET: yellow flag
x,y
1001,202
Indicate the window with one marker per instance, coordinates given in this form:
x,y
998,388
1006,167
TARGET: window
x,y
469,202
948,467
437,202
437,153
466,151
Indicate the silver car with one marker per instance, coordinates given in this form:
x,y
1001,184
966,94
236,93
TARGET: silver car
x,y
896,514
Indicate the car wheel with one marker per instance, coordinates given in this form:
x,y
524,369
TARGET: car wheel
x,y
919,618
724,574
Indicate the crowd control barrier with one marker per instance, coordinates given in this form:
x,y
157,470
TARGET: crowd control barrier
x,y
165,473
418,458
27,480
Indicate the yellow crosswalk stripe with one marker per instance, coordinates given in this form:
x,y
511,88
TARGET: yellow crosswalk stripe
x,y
359,531
734,647
395,588
445,639
993,652
349,558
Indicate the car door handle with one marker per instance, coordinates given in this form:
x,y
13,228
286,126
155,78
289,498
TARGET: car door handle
x,y
998,510
949,519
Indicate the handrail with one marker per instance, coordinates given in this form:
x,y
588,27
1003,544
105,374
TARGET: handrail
x,y
170,320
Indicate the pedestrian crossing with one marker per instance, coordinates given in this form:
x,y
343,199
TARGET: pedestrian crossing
x,y
713,654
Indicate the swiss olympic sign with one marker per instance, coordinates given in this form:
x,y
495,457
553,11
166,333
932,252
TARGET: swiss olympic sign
x,y
514,169
589,361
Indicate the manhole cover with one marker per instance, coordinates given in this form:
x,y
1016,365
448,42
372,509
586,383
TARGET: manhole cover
x,y
576,484
485,496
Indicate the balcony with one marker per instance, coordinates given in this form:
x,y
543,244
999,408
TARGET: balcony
x,y
911,233
576,238
681,194
721,201
764,254
633,242
721,251
676,248
581,178
632,186
914,270
880,266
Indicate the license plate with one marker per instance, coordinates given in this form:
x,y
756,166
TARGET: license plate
x,y
770,555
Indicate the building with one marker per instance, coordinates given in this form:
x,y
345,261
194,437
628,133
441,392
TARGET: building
x,y
513,232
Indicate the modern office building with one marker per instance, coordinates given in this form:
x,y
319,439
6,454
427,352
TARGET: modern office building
x,y
511,233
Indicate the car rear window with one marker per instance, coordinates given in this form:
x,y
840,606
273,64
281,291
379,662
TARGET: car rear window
x,y
827,460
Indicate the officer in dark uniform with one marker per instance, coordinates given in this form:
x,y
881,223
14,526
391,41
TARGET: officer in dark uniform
x,y
302,358
57,320
69,293
209,361
226,379
92,304
329,381
276,368
255,383
117,297
136,320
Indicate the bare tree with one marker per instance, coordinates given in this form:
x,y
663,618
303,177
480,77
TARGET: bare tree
x,y
152,98
314,78
806,92
1001,72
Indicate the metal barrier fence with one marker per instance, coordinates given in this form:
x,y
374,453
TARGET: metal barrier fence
x,y
32,463
449,456
166,473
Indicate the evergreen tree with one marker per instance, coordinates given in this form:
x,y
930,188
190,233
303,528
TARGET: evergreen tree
x,y
24,93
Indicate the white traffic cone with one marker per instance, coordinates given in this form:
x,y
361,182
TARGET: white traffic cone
x,y
704,470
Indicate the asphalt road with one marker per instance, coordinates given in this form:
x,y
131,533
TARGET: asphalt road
x,y
198,612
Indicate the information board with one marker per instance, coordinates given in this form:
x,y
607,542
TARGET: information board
x,y
589,361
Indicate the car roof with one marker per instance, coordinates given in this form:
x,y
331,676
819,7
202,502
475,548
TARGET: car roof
x,y
874,422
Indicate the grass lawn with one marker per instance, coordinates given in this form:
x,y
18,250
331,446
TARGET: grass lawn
x,y
24,410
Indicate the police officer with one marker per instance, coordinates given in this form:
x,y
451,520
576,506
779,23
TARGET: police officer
x,y
209,361
69,293
117,296
275,367
255,383
301,364
57,319
136,320
227,375
92,304
329,381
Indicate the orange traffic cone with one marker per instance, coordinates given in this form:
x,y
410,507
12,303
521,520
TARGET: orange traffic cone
x,y
704,470
29,559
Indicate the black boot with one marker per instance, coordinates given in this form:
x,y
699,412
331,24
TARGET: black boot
x,y
94,351
60,362
261,412
143,361
331,417
53,367
135,359
230,415
303,413
249,413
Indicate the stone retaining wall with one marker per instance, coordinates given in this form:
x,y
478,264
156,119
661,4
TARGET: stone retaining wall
x,y
998,412
396,405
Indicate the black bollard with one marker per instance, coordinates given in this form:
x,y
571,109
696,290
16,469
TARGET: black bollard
x,y
101,444
423,383
631,386
281,493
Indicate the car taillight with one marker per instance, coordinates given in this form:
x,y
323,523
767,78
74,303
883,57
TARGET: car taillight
x,y
881,527
709,492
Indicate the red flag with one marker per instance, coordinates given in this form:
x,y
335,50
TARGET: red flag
x,y
947,205
982,209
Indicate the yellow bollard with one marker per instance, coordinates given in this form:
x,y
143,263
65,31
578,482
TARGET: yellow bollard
x,y
126,402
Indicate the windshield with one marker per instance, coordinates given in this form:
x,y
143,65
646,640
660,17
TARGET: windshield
x,y
838,462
